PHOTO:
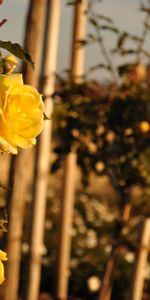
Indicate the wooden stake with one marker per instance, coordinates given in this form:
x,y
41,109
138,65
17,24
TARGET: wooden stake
x,y
34,39
10,288
67,201
66,215
21,163
140,262
79,32
43,150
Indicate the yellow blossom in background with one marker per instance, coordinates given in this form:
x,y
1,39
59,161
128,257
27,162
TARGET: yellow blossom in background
x,y
21,113
144,126
3,257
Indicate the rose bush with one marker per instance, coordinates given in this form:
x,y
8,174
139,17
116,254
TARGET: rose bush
x,y
21,113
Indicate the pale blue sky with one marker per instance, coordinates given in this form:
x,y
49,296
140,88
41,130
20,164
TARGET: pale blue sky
x,y
124,12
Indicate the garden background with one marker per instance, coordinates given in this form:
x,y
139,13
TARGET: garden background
x,y
77,204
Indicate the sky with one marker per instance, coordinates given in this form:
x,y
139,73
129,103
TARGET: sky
x,y
125,13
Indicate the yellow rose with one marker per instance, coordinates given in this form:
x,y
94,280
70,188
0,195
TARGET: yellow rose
x,y
21,113
10,63
3,257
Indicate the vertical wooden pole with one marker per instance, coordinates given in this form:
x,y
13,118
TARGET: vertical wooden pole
x,y
79,32
22,161
67,201
33,39
140,262
11,284
43,150
66,215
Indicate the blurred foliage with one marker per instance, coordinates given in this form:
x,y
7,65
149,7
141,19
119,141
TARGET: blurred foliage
x,y
108,126
109,135
95,215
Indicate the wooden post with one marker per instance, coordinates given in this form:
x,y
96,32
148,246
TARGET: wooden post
x,y
11,284
140,262
33,39
43,150
79,32
66,215
67,201
21,163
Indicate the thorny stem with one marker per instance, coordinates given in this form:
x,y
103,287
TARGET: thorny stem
x,y
143,36
107,283
102,47
125,209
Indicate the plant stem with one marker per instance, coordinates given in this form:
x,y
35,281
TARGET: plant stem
x,y
102,47
143,37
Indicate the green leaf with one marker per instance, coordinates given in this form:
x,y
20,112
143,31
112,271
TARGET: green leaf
x,y
94,22
121,40
91,36
110,28
107,19
98,66
71,3
135,38
18,51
